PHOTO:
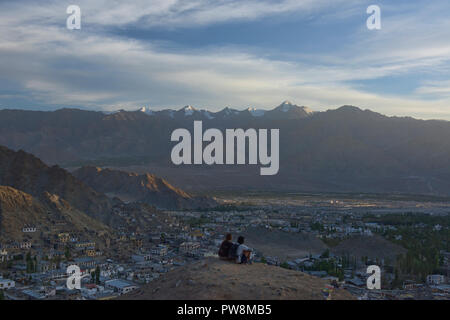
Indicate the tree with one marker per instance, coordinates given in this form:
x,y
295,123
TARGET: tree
x,y
97,275
67,253
31,268
326,254
2,295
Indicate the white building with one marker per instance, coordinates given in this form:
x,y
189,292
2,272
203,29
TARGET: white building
x,y
435,279
160,250
28,229
189,248
120,286
141,257
3,255
6,284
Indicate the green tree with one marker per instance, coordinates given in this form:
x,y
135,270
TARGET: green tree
x,y
97,275
31,268
67,253
325,254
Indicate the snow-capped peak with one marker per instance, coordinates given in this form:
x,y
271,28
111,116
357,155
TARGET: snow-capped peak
x,y
287,106
188,110
146,110
256,112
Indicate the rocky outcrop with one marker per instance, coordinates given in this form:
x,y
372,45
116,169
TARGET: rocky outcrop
x,y
27,173
214,279
148,188
19,209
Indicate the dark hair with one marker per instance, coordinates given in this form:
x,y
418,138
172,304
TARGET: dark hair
x,y
228,237
241,240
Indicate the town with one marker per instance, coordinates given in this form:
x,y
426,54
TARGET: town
x,y
319,235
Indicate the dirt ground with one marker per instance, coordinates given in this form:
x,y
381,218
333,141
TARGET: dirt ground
x,y
214,279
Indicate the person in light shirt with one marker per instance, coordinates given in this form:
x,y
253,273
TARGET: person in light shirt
x,y
244,253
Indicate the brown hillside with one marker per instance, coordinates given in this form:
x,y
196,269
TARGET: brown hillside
x,y
148,188
214,279
371,247
25,172
19,209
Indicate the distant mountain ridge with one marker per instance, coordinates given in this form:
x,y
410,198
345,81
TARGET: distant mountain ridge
x,y
147,188
286,110
341,150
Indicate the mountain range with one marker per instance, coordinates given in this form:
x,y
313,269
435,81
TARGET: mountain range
x,y
343,150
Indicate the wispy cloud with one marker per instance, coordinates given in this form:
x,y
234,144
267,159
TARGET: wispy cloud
x,y
51,65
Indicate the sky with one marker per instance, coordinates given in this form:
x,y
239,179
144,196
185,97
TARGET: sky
x,y
226,53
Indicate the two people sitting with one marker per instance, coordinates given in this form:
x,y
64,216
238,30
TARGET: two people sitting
x,y
238,252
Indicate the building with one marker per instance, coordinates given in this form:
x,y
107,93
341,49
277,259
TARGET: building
x,y
6,284
141,257
25,245
189,248
63,237
28,229
90,252
85,262
160,250
120,286
3,255
435,279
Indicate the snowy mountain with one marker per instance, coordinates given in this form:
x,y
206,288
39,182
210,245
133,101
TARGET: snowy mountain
x,y
146,110
286,110
256,112
345,149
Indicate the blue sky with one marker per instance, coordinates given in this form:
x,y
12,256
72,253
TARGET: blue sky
x,y
217,53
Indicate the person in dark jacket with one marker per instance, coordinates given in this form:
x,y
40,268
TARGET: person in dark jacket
x,y
225,247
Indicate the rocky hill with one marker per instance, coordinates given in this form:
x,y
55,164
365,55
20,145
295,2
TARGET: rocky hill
x,y
147,188
214,279
19,209
29,174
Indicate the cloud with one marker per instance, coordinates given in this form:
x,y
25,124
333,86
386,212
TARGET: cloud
x,y
435,88
149,13
96,69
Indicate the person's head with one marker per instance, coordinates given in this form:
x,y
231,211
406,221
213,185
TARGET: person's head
x,y
228,237
241,240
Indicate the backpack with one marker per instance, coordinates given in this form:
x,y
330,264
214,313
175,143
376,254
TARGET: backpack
x,y
232,254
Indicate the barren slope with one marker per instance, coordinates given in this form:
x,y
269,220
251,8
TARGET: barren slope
x,y
214,279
